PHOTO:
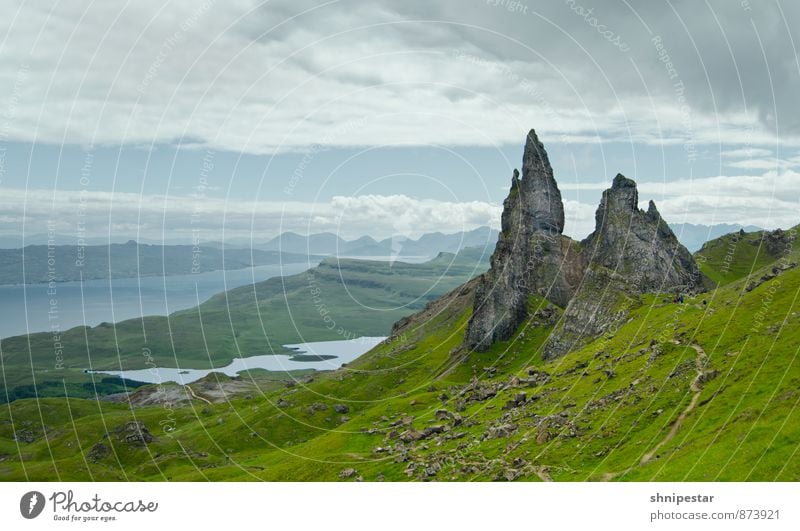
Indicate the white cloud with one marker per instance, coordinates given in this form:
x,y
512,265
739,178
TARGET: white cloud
x,y
762,164
746,153
266,77
578,219
583,186
174,217
406,215
769,200
784,185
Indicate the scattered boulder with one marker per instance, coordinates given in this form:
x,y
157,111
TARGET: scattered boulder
x,y
98,452
410,436
536,377
443,414
405,420
707,376
518,400
134,433
496,432
317,406
348,473
432,430
26,436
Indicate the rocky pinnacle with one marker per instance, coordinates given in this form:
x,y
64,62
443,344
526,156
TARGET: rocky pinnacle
x,y
630,252
541,195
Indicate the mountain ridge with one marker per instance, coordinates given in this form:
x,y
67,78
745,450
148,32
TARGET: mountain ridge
x,y
630,252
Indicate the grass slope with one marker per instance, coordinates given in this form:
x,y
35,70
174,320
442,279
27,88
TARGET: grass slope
x,y
706,390
327,302
737,255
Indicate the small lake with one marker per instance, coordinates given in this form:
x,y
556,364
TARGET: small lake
x,y
107,300
319,355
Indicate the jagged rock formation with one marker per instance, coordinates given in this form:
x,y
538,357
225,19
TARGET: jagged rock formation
x,y
531,256
638,244
595,281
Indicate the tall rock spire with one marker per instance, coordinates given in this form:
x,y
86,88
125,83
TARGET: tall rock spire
x,y
631,252
542,196
639,244
532,256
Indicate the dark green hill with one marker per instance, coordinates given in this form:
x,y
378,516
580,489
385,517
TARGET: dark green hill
x,y
739,254
705,390
325,303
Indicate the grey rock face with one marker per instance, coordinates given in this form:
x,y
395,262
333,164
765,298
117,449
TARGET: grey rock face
x,y
630,252
541,198
530,254
639,245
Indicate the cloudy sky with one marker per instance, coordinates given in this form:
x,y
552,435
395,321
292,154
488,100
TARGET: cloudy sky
x,y
174,119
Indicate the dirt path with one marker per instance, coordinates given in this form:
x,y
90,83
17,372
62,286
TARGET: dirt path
x,y
543,473
696,388
198,397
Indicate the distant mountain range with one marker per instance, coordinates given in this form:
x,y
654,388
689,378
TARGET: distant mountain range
x,y
64,263
326,243
690,235
427,245
131,259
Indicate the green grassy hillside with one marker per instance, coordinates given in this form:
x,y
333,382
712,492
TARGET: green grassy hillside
x,y
705,390
339,299
738,254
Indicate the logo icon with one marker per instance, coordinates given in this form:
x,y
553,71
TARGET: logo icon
x,y
31,504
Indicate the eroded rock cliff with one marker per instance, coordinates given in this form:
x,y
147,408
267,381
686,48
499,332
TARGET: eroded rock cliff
x,y
531,256
595,281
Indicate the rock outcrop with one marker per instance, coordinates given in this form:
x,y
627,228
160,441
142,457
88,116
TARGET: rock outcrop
x,y
531,256
595,281
638,244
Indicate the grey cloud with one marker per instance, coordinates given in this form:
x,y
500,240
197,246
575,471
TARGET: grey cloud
x,y
265,76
